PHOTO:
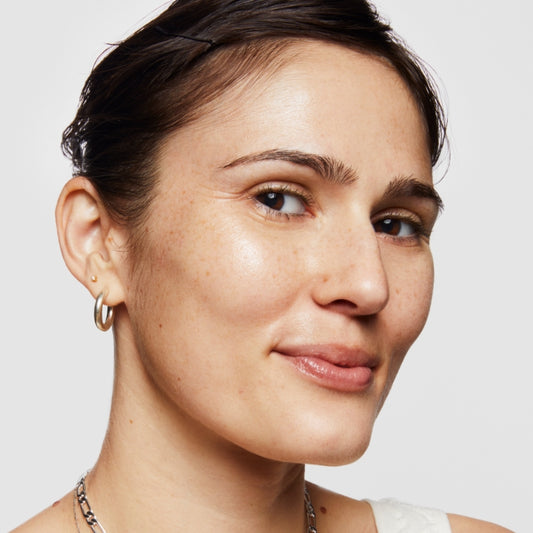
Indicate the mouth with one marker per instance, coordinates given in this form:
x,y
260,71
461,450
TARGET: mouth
x,y
332,366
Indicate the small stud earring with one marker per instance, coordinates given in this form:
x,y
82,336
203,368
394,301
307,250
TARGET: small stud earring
x,y
94,279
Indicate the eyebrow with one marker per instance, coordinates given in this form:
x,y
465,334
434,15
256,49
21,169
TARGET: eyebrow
x,y
329,168
336,172
404,187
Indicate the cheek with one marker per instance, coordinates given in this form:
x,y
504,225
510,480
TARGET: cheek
x,y
215,276
411,288
235,272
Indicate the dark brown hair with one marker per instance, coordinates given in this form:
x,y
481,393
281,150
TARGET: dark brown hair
x,y
160,78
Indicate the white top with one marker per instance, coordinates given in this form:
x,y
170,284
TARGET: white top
x,y
395,517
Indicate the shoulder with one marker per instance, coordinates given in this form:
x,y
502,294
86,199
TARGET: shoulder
x,y
339,513
58,518
463,524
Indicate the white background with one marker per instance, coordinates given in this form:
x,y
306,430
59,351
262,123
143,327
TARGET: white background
x,y
457,430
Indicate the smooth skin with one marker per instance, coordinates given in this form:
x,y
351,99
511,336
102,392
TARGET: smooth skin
x,y
295,212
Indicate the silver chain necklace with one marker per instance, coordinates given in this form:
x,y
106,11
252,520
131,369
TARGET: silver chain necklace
x,y
80,495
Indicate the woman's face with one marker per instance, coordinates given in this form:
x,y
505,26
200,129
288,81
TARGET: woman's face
x,y
286,267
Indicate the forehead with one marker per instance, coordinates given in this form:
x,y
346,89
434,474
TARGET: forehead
x,y
321,98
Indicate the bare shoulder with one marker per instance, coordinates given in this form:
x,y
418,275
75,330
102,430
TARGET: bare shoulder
x,y
463,524
58,518
339,513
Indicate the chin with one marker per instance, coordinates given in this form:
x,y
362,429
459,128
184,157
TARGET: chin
x,y
318,448
338,455
330,435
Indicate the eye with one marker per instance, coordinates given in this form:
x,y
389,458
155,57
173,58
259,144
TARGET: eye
x,y
283,201
398,227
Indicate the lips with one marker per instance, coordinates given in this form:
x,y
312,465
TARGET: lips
x,y
332,366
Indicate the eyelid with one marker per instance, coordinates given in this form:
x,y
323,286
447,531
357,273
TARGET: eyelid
x,y
284,188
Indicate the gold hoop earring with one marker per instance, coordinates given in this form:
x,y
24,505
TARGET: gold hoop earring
x,y
102,324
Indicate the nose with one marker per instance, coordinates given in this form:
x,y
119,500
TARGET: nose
x,y
352,278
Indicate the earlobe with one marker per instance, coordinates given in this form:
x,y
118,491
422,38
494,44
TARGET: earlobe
x,y
88,240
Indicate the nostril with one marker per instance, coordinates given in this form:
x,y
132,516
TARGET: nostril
x,y
343,306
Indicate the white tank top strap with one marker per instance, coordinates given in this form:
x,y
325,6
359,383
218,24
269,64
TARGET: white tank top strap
x,y
392,516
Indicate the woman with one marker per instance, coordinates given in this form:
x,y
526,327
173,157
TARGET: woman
x,y
251,211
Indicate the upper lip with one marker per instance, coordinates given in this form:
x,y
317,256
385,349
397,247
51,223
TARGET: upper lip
x,y
335,354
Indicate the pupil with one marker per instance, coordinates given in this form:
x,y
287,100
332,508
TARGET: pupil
x,y
390,226
274,200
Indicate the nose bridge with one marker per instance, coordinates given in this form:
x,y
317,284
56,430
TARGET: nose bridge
x,y
353,270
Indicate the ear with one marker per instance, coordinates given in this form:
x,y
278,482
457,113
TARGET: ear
x,y
91,243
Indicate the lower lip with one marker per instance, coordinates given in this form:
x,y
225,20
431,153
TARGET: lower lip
x,y
326,374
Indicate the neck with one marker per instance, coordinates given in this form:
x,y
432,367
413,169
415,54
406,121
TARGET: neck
x,y
161,471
